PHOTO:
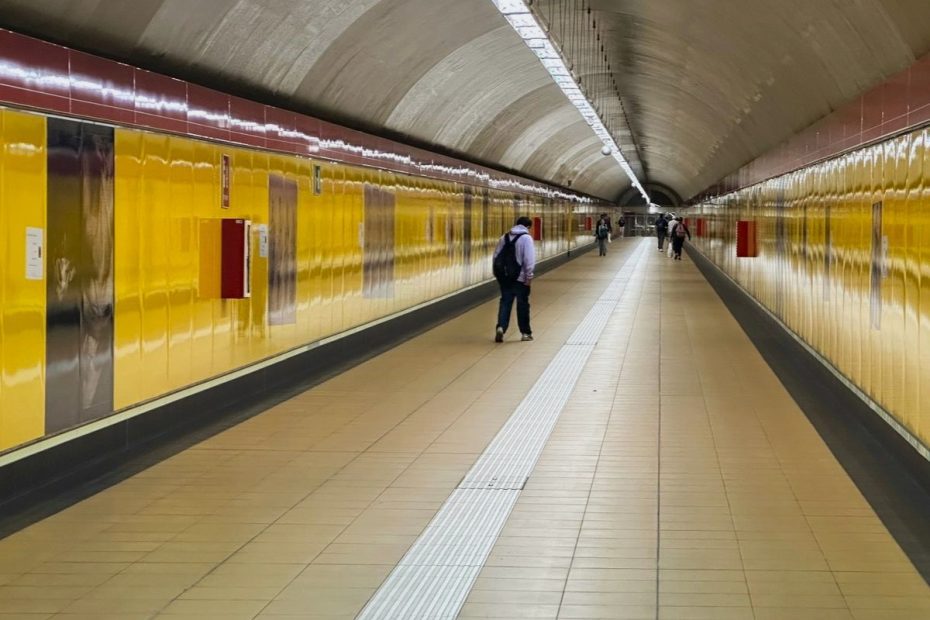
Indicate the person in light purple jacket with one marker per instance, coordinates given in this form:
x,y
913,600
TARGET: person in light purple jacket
x,y
517,288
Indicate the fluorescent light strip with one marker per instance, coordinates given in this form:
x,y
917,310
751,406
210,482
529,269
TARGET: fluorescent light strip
x,y
522,20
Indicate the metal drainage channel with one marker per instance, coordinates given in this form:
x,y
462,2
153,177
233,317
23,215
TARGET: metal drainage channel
x,y
435,576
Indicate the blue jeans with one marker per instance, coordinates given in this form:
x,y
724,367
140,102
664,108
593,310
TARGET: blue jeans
x,y
520,292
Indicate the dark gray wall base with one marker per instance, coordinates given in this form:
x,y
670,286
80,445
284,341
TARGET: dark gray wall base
x,y
893,477
42,484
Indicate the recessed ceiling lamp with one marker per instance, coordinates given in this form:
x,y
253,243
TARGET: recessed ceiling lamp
x,y
525,24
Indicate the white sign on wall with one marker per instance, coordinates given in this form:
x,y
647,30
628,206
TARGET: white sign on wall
x,y
262,240
35,264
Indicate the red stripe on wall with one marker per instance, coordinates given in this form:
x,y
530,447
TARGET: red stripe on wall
x,y
52,78
900,103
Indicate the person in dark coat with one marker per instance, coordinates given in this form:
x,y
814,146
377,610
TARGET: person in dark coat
x,y
602,232
661,230
678,237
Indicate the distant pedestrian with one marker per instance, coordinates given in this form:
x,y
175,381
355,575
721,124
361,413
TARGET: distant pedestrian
x,y
602,234
672,220
678,238
514,261
661,230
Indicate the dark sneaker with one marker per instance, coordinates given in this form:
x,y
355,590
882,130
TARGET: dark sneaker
x,y
526,337
499,335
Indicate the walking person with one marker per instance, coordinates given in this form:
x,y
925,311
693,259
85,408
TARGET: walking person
x,y
661,230
672,225
678,239
602,234
514,261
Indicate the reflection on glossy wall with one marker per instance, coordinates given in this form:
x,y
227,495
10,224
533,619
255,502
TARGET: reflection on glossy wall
x,y
22,294
844,261
79,285
132,280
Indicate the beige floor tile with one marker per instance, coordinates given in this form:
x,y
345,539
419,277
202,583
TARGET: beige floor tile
x,y
101,606
795,588
705,613
519,585
121,591
608,598
277,553
670,586
516,597
230,593
669,489
514,611
103,616
38,606
795,599
224,615
726,559
887,614
218,607
211,532
323,601
341,553
43,592
65,573
608,612
51,580
612,586
881,584
911,603
703,599
801,613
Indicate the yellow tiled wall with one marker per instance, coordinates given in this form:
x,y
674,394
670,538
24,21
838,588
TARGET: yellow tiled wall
x,y
816,258
171,328
22,300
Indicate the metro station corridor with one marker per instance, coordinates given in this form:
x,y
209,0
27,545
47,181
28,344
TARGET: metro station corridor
x,y
680,481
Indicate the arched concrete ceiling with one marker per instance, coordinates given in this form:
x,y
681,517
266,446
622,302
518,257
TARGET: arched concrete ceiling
x,y
707,84
450,73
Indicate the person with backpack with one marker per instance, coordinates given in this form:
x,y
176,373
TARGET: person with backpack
x,y
514,261
678,237
602,234
661,230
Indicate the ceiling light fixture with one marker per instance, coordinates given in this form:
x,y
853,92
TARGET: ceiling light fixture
x,y
524,22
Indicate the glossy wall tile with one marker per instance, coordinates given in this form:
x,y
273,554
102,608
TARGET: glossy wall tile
x,y
129,306
844,261
23,187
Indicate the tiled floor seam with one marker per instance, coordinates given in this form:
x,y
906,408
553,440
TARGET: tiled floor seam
x,y
600,452
726,491
797,501
659,456
385,600
311,492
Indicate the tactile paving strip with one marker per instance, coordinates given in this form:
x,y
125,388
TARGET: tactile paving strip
x,y
436,574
